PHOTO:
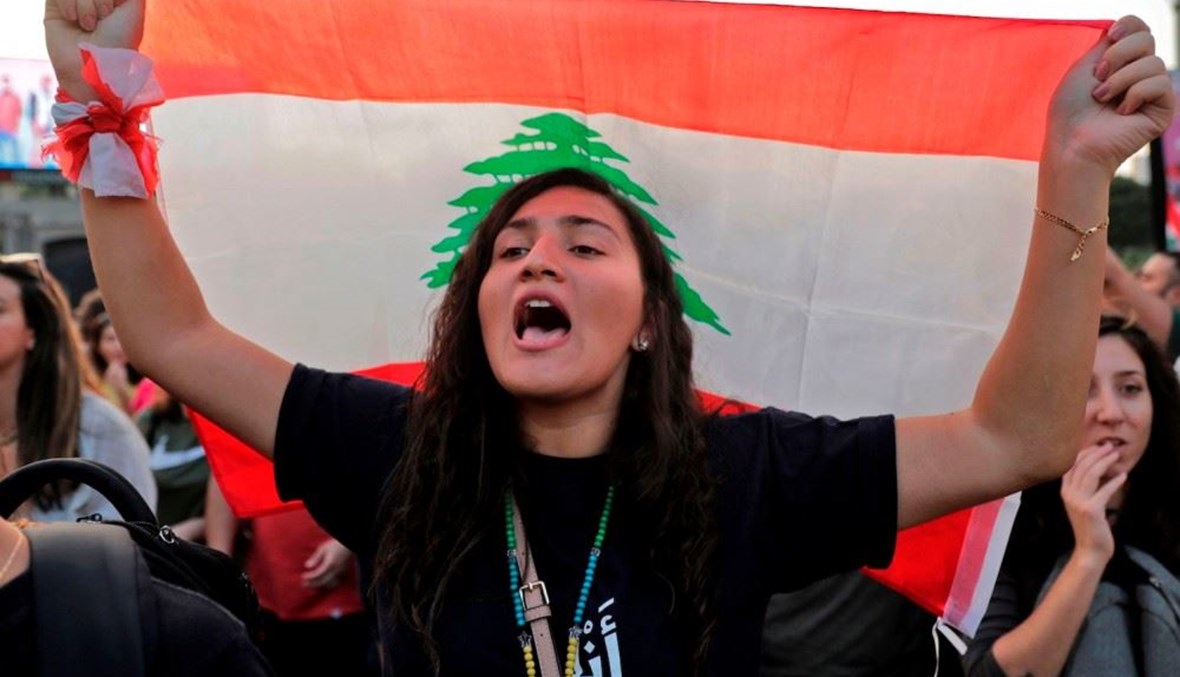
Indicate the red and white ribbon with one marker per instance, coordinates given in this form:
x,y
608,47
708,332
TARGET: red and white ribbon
x,y
101,144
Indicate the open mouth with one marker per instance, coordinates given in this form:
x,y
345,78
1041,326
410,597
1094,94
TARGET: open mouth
x,y
539,320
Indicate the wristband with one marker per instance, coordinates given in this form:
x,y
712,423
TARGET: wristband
x,y
101,144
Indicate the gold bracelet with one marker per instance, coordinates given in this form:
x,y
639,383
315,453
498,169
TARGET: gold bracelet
x,y
1053,218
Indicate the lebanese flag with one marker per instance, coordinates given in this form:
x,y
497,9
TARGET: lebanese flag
x,y
847,195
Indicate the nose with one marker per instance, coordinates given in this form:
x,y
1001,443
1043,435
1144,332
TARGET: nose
x,y
541,261
1109,408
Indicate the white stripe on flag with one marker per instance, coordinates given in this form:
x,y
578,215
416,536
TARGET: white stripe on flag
x,y
986,540
806,253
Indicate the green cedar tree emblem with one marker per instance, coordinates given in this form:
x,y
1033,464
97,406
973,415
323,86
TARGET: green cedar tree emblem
x,y
553,141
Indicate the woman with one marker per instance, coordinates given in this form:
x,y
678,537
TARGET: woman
x,y
559,379
45,411
117,380
106,354
1121,491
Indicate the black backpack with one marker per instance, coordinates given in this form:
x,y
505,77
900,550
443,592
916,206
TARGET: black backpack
x,y
91,580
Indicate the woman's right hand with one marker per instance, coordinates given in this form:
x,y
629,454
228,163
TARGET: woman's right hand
x,y
105,23
1086,495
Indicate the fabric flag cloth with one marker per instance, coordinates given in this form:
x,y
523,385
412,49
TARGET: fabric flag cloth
x,y
106,133
847,195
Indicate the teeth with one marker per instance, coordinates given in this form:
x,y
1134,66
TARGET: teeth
x,y
537,303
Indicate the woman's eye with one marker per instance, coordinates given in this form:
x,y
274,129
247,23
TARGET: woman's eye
x,y
513,252
1132,389
584,249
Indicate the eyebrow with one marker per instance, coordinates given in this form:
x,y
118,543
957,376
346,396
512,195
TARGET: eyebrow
x,y
569,221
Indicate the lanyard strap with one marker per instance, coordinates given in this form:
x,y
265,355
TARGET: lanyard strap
x,y
535,599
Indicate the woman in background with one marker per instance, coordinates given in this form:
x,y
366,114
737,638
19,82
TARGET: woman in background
x,y
106,353
45,410
1071,534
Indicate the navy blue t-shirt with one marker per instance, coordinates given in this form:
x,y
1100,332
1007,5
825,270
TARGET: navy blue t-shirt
x,y
800,499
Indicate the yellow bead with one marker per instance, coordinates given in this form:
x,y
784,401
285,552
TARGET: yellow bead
x,y
529,664
531,672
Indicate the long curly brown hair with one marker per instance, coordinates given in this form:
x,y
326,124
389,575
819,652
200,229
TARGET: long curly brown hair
x,y
447,491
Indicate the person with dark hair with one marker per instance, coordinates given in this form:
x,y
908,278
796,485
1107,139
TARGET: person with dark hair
x,y
45,409
1121,491
555,464
105,353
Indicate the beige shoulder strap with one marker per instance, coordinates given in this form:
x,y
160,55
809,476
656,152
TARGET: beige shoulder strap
x,y
535,598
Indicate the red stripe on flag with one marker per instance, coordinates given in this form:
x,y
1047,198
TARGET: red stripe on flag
x,y
246,477
834,78
926,560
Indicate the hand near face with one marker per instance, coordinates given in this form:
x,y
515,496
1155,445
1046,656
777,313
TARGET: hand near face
x,y
1086,492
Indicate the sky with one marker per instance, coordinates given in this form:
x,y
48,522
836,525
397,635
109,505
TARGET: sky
x,y
20,20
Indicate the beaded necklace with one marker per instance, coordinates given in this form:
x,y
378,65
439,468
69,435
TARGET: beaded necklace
x,y
526,642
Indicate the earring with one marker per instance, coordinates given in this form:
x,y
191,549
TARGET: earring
x,y
642,345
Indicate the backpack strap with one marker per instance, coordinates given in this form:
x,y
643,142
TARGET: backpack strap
x,y
24,483
89,585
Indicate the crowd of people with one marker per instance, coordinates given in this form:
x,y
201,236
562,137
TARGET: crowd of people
x,y
557,436
69,391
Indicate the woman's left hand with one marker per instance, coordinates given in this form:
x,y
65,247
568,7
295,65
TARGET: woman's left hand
x,y
1113,101
327,565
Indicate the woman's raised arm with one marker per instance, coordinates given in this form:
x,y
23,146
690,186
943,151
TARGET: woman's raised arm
x,y
1024,423
151,295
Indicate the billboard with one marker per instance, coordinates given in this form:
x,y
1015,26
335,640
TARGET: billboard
x,y
27,88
